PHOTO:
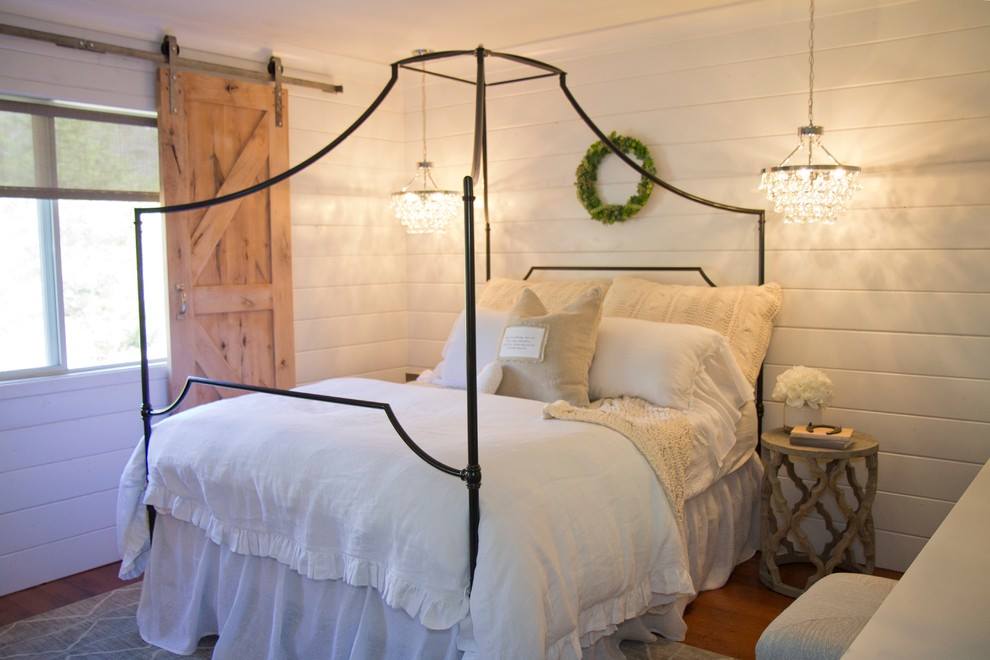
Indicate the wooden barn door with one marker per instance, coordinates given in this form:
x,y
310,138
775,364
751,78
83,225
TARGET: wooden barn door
x,y
229,266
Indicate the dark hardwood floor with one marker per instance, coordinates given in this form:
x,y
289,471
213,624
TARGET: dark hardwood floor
x,y
728,620
51,595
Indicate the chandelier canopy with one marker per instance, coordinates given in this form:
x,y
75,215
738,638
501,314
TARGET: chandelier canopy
x,y
425,210
810,192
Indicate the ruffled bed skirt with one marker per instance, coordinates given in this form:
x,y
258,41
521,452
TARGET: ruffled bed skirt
x,y
194,587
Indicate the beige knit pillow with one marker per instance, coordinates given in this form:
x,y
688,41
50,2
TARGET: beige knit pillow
x,y
743,314
546,356
501,293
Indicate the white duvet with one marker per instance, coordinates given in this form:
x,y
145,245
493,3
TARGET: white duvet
x,y
576,533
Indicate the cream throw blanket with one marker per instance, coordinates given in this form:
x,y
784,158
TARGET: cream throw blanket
x,y
662,435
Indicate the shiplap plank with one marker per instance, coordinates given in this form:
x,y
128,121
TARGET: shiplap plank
x,y
52,482
80,380
425,353
336,362
348,300
925,477
333,241
966,271
344,331
934,437
931,355
930,396
60,441
27,568
326,115
315,207
74,78
74,404
934,227
370,154
433,297
30,528
897,311
315,272
430,325
328,177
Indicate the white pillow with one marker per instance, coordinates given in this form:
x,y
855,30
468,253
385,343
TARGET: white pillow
x,y
489,378
663,363
681,366
489,325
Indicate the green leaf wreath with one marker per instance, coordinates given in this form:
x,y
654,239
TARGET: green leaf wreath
x,y
587,176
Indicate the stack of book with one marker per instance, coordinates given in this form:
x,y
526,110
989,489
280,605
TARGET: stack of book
x,y
822,436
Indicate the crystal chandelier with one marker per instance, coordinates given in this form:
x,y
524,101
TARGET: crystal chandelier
x,y
810,192
428,209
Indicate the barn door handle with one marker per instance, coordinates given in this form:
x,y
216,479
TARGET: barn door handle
x,y
183,301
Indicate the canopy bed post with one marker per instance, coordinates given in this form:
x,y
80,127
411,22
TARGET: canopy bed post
x,y
472,474
479,158
761,229
143,344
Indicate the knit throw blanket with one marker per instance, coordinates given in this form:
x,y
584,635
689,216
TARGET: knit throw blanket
x,y
662,435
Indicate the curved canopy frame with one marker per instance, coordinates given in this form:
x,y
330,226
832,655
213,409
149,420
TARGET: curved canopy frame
x,y
471,474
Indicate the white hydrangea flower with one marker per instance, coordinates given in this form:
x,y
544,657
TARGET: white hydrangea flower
x,y
803,386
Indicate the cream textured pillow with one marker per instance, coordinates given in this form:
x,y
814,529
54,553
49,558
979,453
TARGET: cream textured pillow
x,y
502,294
742,314
545,355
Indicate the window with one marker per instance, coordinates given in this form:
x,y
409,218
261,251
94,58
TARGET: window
x,y
69,181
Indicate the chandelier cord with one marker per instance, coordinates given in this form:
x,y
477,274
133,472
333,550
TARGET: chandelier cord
x,y
812,137
422,98
811,66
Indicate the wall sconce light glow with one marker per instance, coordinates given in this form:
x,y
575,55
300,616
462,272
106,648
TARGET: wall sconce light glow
x,y
810,192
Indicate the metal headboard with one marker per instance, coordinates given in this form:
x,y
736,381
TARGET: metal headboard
x,y
677,269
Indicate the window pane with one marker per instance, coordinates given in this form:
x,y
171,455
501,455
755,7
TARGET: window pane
x,y
98,283
102,156
25,289
16,149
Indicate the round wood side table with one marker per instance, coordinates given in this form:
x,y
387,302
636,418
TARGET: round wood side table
x,y
783,541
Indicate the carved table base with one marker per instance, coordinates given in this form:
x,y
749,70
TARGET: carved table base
x,y
783,539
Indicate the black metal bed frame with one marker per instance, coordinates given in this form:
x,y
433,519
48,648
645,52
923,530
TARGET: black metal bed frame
x,y
471,473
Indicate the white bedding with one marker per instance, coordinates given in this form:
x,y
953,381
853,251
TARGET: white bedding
x,y
194,587
576,533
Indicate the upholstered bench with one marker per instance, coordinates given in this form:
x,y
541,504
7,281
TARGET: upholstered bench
x,y
824,621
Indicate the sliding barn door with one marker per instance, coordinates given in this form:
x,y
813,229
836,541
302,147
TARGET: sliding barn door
x,y
229,266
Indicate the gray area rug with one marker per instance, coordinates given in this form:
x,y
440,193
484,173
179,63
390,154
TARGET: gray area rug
x,y
105,628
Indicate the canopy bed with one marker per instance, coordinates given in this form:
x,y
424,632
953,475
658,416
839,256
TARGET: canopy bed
x,y
394,523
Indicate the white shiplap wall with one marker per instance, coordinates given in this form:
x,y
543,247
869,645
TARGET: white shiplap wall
x,y
893,302
63,441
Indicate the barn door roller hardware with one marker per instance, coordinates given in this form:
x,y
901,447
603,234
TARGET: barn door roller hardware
x,y
170,49
275,68
169,56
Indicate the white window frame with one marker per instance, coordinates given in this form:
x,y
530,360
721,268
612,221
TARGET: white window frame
x,y
48,193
